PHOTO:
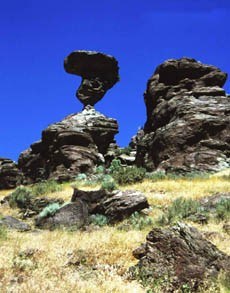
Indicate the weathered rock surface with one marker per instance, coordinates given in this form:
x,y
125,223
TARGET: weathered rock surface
x,y
116,205
188,122
10,176
71,146
13,223
179,256
73,215
99,73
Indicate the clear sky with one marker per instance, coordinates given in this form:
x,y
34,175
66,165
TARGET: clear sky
x,y
36,36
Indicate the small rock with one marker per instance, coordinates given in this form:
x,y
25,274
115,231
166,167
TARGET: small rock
x,y
13,223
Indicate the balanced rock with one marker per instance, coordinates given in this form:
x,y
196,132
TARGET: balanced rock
x,y
72,146
10,176
188,124
99,73
179,256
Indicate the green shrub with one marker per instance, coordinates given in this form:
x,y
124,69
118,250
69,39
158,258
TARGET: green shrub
x,y
115,166
20,197
45,187
108,183
100,170
136,221
180,209
126,151
99,220
49,210
156,176
129,175
81,177
223,209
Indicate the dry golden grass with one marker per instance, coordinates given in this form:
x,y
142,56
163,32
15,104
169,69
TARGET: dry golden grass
x,y
96,260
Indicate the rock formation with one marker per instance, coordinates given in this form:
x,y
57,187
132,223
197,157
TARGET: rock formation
x,y
188,125
116,206
10,176
77,143
72,146
179,256
99,73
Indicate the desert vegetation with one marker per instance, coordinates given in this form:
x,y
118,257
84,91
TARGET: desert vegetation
x,y
98,257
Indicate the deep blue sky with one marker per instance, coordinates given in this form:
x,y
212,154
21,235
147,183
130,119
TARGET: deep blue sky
x,y
35,36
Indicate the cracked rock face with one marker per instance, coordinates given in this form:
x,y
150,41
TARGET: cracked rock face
x,y
99,73
188,125
10,176
69,147
177,256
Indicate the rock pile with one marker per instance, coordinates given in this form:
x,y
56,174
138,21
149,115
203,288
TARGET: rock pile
x,y
116,206
177,257
74,145
10,176
188,124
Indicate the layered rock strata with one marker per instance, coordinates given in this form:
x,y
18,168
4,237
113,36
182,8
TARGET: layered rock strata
x,y
10,176
178,256
71,146
188,124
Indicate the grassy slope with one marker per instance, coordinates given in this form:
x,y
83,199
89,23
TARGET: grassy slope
x,y
101,256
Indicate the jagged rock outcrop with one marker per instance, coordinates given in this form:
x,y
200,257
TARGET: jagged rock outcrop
x,y
99,73
71,146
10,176
188,124
177,258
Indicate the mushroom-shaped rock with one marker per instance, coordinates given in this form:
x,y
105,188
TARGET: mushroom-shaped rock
x,y
99,73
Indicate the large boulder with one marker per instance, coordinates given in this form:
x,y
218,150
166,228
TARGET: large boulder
x,y
10,176
72,215
71,146
177,258
188,124
99,73
116,205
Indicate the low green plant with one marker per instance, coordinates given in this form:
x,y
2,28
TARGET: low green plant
x,y
115,166
156,176
99,220
81,177
108,183
129,175
49,210
180,209
45,187
20,197
223,209
126,150
138,221
100,170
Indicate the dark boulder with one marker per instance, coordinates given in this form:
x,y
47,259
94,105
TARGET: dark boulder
x,y
99,73
177,257
72,215
188,126
13,223
10,176
116,205
72,146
